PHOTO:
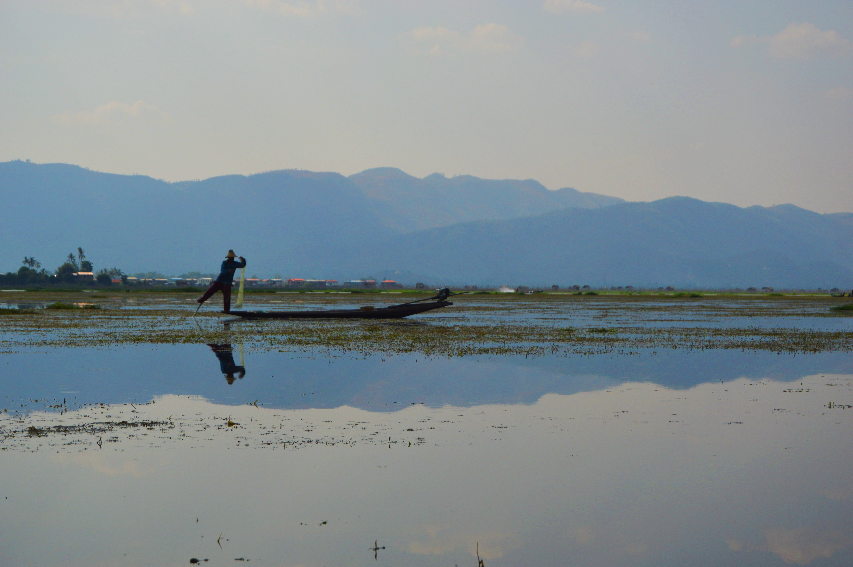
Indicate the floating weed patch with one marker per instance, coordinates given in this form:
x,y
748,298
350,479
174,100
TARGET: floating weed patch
x,y
842,308
483,326
61,305
7,311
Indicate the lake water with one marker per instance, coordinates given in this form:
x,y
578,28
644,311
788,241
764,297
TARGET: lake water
x,y
282,453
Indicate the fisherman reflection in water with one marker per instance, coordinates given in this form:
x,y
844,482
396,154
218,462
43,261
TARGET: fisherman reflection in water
x,y
226,362
225,280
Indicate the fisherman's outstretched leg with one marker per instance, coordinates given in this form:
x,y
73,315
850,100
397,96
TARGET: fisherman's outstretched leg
x,y
214,287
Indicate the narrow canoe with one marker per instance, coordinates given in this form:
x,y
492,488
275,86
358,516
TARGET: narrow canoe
x,y
391,312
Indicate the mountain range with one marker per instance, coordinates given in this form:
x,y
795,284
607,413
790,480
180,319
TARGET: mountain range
x,y
385,223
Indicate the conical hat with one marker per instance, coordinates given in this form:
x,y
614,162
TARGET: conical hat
x,y
231,254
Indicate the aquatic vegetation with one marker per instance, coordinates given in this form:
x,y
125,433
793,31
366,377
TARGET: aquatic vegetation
x,y
845,307
61,305
7,311
477,325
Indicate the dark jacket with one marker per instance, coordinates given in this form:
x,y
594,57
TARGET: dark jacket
x,y
226,272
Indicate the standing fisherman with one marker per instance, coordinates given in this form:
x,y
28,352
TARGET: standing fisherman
x,y
224,281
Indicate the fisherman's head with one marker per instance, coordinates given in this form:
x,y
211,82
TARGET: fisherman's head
x,y
231,254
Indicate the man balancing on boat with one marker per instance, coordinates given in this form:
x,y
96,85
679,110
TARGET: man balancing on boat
x,y
224,281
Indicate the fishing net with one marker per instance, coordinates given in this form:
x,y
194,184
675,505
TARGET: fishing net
x,y
239,302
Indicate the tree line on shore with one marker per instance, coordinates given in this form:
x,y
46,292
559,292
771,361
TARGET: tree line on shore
x,y
32,273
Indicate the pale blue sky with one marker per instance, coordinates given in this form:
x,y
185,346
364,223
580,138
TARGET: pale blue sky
x,y
747,102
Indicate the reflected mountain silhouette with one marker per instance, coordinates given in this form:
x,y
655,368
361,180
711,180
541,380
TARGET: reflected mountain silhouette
x,y
378,382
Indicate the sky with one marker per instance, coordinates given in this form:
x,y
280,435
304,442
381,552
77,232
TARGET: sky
x,y
745,102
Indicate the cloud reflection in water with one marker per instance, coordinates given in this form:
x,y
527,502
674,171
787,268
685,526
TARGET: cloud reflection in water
x,y
636,474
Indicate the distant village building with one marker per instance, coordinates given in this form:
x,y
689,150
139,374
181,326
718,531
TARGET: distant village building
x,y
84,276
295,282
388,284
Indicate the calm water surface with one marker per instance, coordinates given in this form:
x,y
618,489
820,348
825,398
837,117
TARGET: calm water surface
x,y
158,454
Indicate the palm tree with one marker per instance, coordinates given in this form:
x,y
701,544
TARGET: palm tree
x,y
32,262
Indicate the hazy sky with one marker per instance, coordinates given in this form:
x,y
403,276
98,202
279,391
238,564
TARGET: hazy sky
x,y
747,102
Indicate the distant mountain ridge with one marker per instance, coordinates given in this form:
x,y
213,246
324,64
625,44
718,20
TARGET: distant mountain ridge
x,y
675,241
383,222
414,204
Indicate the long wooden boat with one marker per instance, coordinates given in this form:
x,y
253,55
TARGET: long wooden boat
x,y
390,312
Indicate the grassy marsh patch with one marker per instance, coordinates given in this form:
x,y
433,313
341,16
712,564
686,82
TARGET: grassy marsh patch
x,y
61,305
477,325
8,311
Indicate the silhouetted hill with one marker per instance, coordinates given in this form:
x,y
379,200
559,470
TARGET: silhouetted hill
x,y
284,221
415,204
676,241
325,225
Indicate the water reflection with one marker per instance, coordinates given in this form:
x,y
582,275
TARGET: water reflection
x,y
742,473
302,378
224,353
